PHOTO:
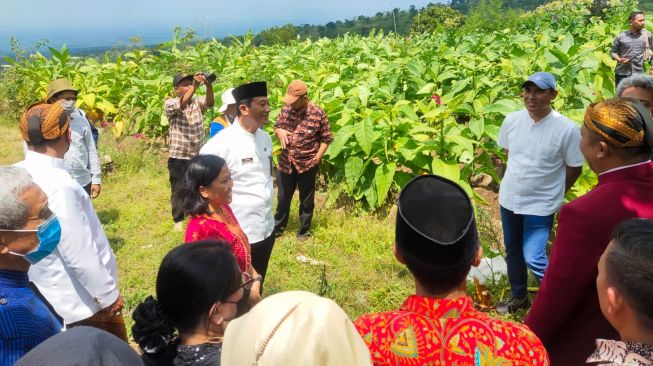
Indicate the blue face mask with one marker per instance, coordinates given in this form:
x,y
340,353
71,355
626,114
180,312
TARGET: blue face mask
x,y
49,234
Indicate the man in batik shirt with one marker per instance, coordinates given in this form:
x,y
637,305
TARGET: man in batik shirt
x,y
436,238
304,132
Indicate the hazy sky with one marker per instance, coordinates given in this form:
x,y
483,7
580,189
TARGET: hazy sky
x,y
95,22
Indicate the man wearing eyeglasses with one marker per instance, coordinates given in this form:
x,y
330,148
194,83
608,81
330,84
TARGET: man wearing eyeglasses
x,y
544,161
305,134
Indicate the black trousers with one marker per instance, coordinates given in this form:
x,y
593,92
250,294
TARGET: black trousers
x,y
261,252
618,78
87,188
287,183
177,170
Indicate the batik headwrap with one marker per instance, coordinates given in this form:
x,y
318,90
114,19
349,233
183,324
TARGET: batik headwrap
x,y
618,121
43,122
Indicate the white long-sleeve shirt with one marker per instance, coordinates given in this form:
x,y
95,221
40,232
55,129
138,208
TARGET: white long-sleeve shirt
x,y
81,160
249,158
80,277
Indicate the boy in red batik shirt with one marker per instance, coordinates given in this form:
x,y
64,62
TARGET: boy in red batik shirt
x,y
436,239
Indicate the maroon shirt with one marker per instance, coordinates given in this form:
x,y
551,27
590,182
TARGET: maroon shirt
x,y
566,315
309,129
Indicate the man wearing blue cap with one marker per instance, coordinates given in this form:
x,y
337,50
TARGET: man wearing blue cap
x,y
544,161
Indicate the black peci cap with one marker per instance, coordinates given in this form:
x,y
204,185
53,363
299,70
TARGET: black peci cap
x,y
251,90
435,222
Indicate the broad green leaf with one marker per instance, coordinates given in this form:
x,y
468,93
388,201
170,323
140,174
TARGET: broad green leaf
x,y
492,131
459,86
353,168
365,135
383,178
339,141
449,171
118,128
426,89
371,196
89,100
363,94
503,107
446,76
106,107
477,126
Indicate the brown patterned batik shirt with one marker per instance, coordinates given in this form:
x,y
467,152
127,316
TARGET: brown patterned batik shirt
x,y
186,127
309,129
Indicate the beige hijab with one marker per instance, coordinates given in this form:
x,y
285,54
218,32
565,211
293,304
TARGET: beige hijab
x,y
294,328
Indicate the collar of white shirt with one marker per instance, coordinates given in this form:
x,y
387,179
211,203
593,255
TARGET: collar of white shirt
x,y
42,159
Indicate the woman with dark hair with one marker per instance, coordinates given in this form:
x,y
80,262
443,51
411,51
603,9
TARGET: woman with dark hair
x,y
205,196
199,289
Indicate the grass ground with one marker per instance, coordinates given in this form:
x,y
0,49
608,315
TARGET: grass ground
x,y
359,270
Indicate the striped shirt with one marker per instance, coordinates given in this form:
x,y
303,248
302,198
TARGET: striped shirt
x,y
25,321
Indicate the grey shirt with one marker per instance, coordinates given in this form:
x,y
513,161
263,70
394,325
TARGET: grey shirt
x,y
632,46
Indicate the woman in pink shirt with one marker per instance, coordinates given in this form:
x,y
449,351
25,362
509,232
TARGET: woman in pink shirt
x,y
205,196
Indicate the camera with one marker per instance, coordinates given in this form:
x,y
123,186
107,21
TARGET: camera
x,y
209,77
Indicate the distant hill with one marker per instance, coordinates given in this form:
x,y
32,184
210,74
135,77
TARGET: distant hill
x,y
391,21
396,20
465,5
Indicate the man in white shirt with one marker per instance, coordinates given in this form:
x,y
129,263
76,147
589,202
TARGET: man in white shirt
x,y
247,149
81,160
544,161
79,279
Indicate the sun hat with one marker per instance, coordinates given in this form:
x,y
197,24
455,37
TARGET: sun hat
x,y
59,85
227,99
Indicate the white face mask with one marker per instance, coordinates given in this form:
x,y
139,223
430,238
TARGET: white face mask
x,y
68,105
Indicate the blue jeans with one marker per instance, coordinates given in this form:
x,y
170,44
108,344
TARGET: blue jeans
x,y
525,237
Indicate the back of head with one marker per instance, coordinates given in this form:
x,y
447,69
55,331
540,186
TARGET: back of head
x,y
624,124
640,81
43,123
629,266
436,234
317,328
191,279
14,181
201,171
82,346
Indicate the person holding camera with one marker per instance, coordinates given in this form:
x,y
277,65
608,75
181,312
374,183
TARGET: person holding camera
x,y
186,119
